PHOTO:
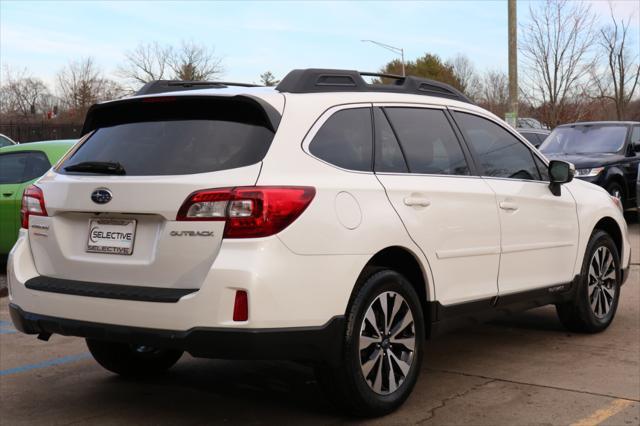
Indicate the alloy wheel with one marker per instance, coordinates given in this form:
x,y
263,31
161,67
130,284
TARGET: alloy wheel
x,y
602,282
387,343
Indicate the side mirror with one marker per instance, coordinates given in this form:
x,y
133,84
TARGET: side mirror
x,y
560,172
636,146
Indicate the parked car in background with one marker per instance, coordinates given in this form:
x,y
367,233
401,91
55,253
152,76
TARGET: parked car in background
x,y
530,123
638,192
20,166
535,136
6,141
343,230
606,153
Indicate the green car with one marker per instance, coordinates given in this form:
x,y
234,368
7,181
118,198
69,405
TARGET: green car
x,y
20,166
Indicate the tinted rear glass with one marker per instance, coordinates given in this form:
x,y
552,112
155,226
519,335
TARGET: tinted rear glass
x,y
428,141
178,138
21,167
389,157
345,140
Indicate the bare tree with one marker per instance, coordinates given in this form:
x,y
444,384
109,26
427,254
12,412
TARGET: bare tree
x,y
556,43
495,92
81,84
465,72
619,82
145,63
23,94
268,79
193,62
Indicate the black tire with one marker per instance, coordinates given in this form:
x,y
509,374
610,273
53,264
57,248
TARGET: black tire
x,y
578,315
616,190
132,360
346,385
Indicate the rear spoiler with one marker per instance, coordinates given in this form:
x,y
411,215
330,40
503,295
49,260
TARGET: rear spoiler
x,y
149,108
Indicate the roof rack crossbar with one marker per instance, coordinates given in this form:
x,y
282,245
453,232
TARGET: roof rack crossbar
x,y
161,86
382,75
316,80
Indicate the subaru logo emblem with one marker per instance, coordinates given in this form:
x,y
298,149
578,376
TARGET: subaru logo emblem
x,y
101,196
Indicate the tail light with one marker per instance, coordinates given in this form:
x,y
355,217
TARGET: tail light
x,y
249,212
32,204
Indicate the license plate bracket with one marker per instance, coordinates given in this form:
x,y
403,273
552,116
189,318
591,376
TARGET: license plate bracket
x,y
111,236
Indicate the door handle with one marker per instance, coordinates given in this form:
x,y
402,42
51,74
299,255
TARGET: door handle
x,y
7,194
508,205
417,202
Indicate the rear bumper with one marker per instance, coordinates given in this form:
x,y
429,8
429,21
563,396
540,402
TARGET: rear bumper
x,y
316,344
282,293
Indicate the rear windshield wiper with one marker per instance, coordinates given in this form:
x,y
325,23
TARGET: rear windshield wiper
x,y
102,167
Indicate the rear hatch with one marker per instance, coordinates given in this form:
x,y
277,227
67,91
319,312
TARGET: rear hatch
x,y
112,203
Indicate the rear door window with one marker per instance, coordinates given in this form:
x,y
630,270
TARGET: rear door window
x,y
389,157
428,141
178,138
346,140
19,167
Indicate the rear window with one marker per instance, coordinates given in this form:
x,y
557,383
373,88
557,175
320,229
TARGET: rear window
x,y
19,167
177,138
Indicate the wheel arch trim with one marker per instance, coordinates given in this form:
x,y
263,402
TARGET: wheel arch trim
x,y
398,258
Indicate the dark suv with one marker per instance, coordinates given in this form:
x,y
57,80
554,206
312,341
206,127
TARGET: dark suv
x,y
605,153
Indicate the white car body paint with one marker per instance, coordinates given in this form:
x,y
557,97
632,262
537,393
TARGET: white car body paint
x,y
467,245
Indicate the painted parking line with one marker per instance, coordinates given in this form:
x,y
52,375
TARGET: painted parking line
x,y
45,364
604,413
6,327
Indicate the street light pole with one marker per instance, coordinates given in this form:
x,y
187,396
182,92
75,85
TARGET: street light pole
x,y
513,63
397,50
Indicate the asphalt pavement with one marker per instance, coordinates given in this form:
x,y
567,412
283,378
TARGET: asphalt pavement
x,y
519,370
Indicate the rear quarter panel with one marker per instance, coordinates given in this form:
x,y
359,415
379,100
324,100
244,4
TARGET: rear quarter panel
x,y
350,214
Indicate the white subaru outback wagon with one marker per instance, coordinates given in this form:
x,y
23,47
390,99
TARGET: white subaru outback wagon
x,y
329,220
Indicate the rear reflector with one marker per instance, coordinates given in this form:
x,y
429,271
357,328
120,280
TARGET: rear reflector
x,y
241,306
32,205
249,212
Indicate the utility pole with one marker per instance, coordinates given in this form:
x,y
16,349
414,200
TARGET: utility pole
x,y
512,115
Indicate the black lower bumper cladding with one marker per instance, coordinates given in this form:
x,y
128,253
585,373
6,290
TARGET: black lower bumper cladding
x,y
316,344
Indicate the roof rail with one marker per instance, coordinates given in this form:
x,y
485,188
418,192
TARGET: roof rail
x,y
162,86
315,80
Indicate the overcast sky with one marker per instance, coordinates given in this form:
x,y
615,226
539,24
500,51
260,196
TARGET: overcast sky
x,y
252,37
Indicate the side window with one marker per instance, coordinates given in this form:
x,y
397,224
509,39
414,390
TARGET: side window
x,y
635,135
345,140
4,141
37,164
21,167
531,137
12,167
428,141
542,168
388,156
500,153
